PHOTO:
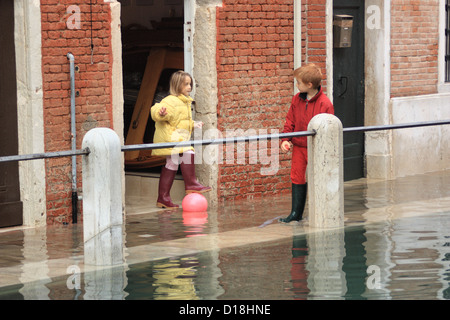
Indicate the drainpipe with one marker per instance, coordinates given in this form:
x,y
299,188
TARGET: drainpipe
x,y
74,137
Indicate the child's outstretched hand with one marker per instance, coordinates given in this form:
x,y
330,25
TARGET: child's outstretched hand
x,y
162,112
286,146
198,124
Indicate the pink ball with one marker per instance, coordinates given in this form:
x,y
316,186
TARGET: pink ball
x,y
194,202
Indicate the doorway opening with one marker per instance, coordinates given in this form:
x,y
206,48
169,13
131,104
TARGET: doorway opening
x,y
349,83
152,49
11,207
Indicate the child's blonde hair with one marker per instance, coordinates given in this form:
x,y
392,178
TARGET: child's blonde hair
x,y
177,81
309,73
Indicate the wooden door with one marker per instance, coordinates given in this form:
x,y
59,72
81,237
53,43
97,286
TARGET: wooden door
x,y
348,87
10,204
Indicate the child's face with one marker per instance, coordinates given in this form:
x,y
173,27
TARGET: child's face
x,y
304,87
186,86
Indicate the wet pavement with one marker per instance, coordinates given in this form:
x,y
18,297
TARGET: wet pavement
x,y
400,227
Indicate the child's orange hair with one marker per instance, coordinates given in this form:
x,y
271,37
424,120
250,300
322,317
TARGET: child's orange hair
x,y
309,73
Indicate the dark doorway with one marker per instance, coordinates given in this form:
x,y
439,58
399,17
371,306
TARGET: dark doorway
x,y
10,204
152,49
348,87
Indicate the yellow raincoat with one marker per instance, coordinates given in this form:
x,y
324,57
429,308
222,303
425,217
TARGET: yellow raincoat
x,y
176,126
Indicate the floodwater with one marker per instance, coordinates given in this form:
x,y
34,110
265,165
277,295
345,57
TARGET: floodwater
x,y
395,246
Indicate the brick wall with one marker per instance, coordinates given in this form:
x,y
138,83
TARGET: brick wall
x,y
93,81
414,47
255,63
314,35
255,57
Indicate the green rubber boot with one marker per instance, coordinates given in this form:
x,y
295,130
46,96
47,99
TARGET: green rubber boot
x,y
298,203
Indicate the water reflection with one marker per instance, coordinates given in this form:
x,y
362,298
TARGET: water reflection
x,y
326,278
418,257
403,235
354,263
330,265
195,223
412,255
35,269
174,279
105,284
191,277
299,272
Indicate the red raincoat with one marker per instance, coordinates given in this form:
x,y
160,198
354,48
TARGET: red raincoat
x,y
298,117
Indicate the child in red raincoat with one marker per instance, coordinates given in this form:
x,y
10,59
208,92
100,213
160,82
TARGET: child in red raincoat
x,y
309,102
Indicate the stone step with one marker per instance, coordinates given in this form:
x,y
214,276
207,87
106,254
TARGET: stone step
x,y
139,185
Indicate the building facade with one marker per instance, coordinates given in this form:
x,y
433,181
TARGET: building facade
x,y
241,53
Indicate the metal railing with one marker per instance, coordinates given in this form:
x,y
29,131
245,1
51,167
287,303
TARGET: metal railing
x,y
46,155
147,146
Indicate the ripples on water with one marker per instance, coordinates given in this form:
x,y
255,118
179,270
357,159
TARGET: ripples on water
x,y
411,255
399,259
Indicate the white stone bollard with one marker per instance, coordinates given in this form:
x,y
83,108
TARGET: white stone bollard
x,y
102,198
325,172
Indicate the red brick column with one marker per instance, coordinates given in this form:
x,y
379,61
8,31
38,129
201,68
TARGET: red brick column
x,y
92,81
255,61
314,35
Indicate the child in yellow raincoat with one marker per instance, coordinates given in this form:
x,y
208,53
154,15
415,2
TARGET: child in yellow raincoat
x,y
173,123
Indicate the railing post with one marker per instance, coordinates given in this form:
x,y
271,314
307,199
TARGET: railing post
x,y
326,172
102,198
